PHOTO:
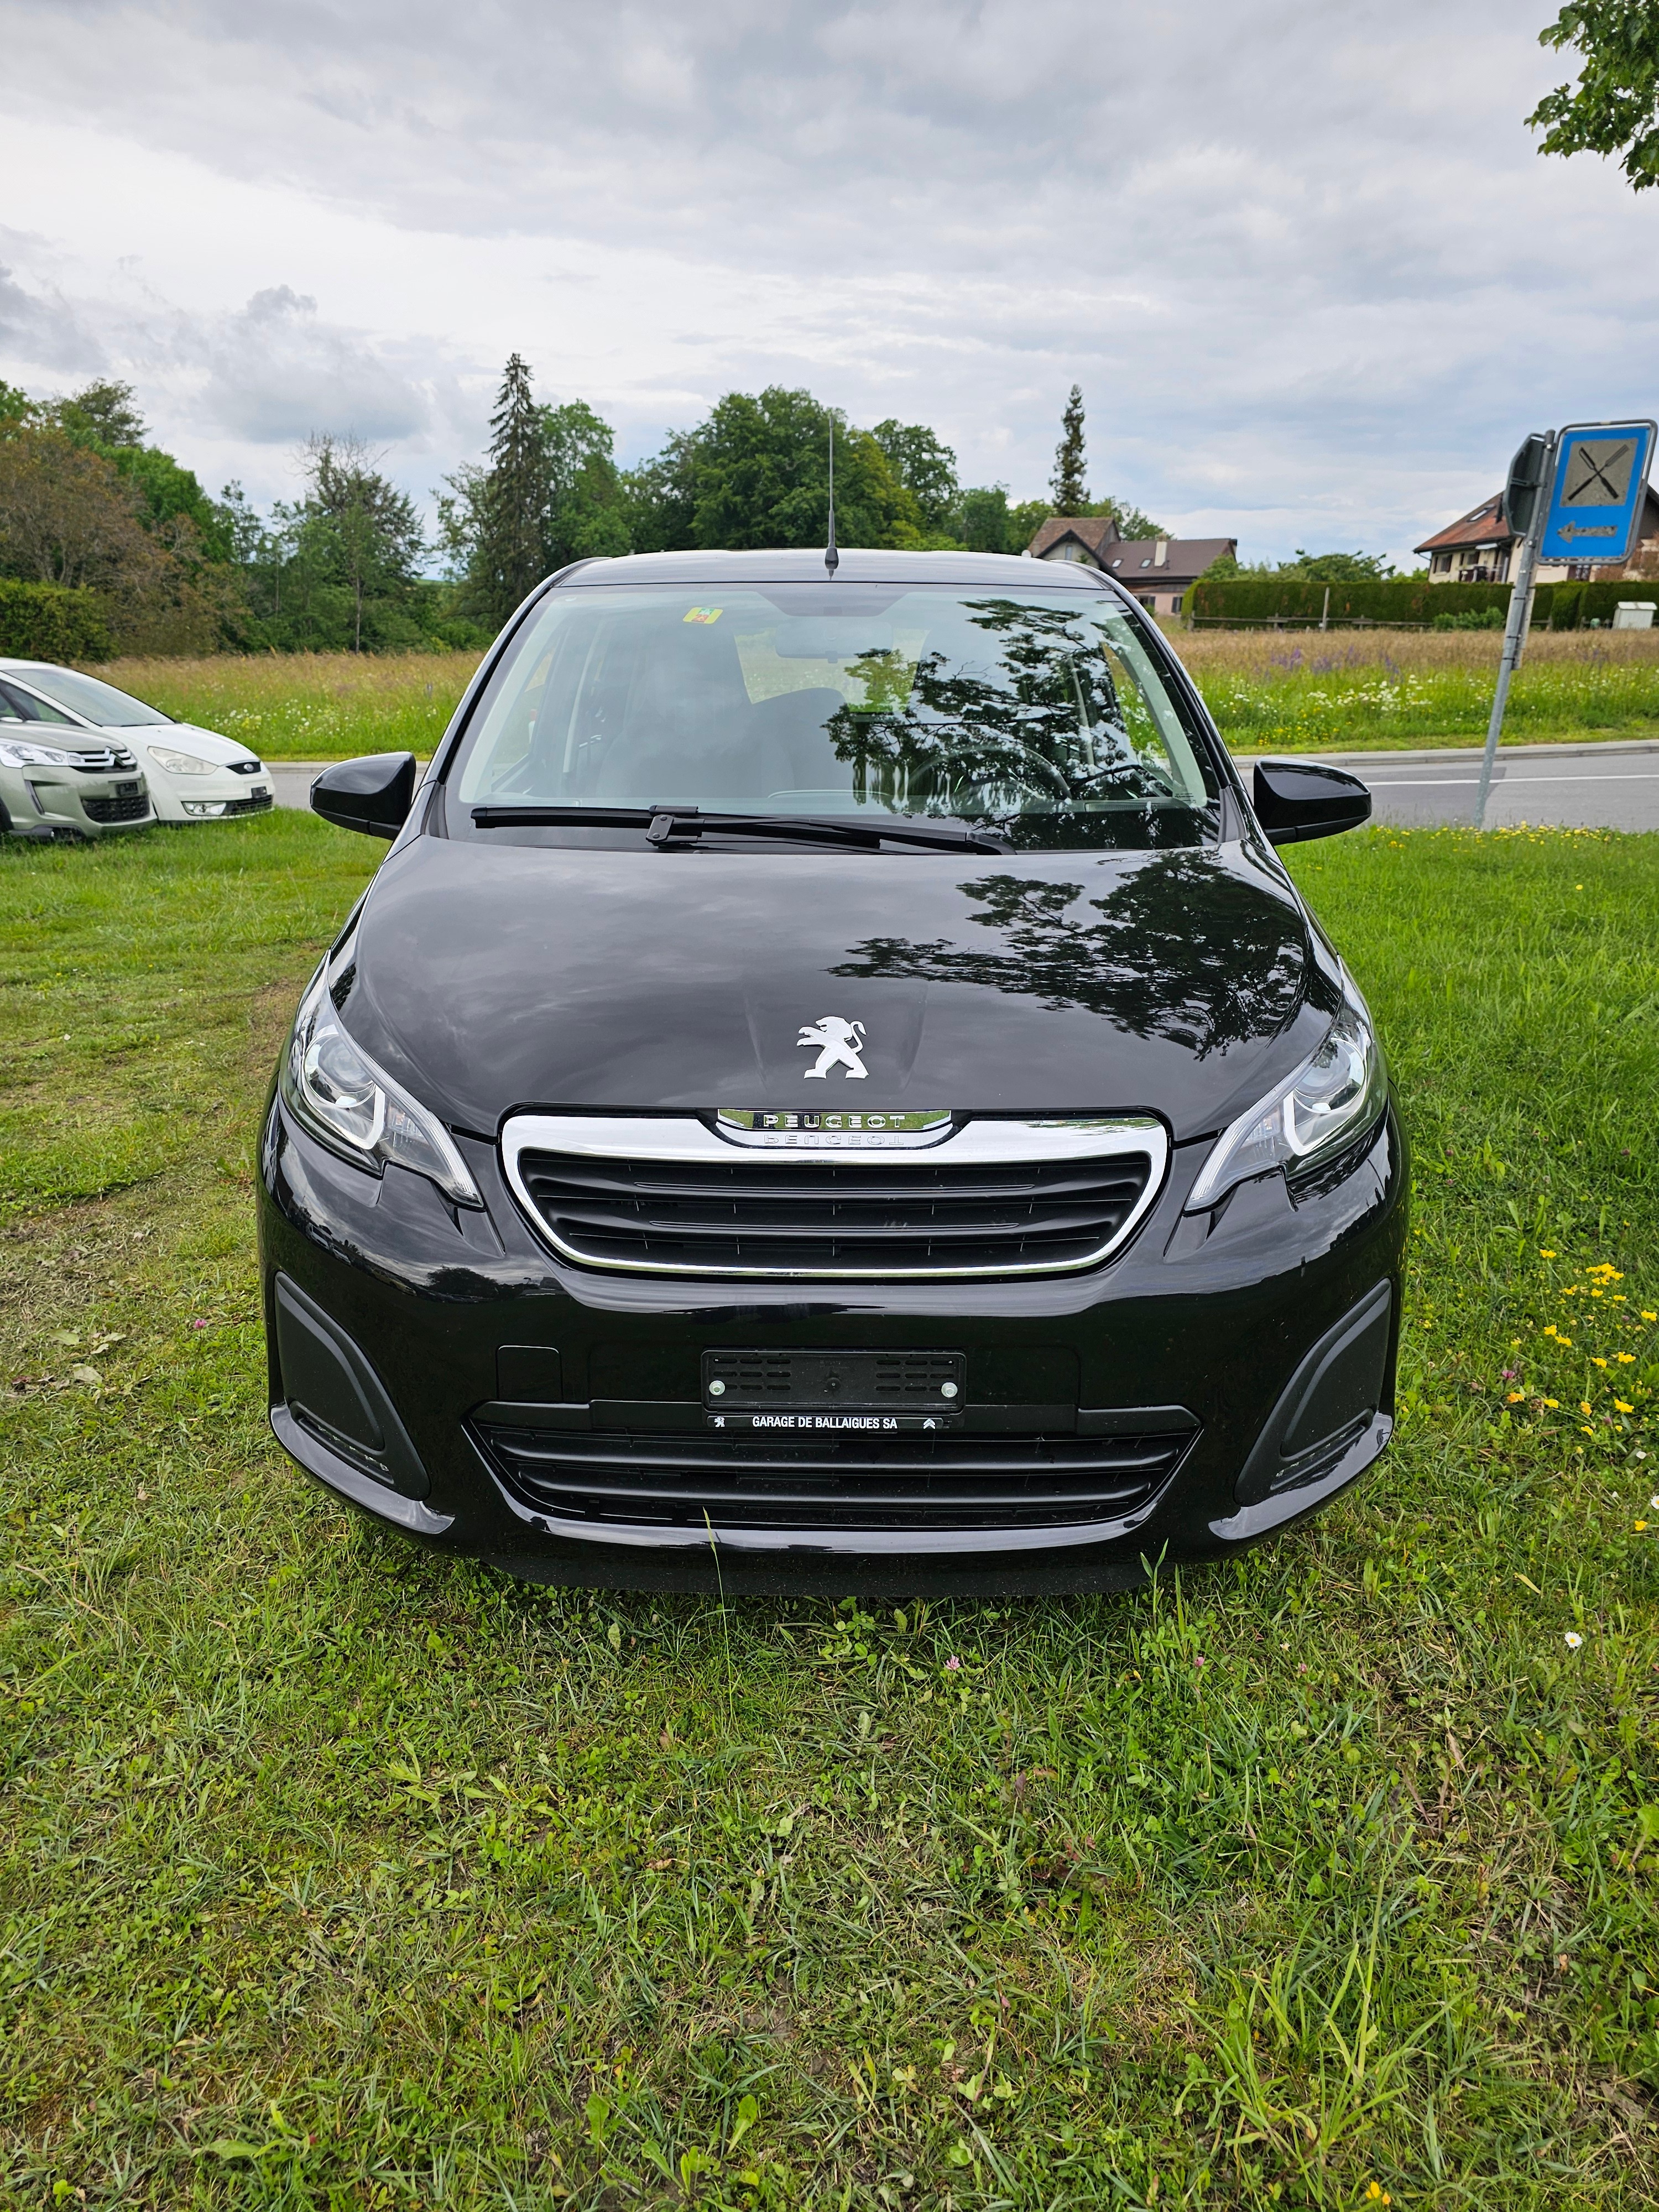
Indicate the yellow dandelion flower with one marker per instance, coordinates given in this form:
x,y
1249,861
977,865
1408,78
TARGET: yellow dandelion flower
x,y
1646,1316
1620,1406
1554,1403
1640,1526
1587,1432
1627,1358
1567,1340
1516,1396
1595,1362
1544,1253
1585,1406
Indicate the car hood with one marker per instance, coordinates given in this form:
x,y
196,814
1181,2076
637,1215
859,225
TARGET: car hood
x,y
1183,984
189,738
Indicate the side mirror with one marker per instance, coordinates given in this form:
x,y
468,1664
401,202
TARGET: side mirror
x,y
373,794
1296,800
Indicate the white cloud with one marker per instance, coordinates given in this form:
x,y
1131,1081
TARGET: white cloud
x,y
276,373
1315,284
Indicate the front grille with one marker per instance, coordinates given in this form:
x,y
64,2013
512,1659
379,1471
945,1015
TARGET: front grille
x,y
894,1215
260,803
133,808
105,761
846,1483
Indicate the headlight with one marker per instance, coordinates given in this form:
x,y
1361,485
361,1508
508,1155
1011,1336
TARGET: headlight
x,y
14,753
181,763
337,1091
1331,1100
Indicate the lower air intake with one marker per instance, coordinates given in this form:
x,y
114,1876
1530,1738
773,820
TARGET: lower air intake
x,y
950,1482
132,808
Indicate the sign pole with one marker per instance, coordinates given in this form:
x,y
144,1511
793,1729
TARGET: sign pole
x,y
1515,637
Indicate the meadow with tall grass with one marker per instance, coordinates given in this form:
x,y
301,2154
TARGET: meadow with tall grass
x,y
334,1873
308,706
1304,690
1294,691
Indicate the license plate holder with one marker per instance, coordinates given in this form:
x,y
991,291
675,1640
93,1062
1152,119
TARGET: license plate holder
x,y
830,1392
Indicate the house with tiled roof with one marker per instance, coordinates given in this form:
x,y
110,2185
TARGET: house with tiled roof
x,y
1160,571
1480,548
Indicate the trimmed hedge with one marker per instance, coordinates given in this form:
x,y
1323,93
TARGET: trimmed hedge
x,y
1574,605
1397,600
50,621
1401,599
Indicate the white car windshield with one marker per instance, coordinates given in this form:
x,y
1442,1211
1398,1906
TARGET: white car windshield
x,y
1044,712
94,701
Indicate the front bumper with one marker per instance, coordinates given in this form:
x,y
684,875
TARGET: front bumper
x,y
54,802
222,797
1223,1376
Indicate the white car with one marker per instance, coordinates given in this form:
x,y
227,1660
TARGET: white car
x,y
194,774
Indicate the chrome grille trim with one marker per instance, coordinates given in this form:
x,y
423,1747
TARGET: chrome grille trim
x,y
668,1141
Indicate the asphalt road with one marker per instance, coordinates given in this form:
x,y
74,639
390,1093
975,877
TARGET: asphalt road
x,y
1593,787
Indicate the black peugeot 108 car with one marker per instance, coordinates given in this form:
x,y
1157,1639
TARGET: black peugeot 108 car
x,y
831,1088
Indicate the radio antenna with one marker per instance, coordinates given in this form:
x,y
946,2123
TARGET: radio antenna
x,y
831,558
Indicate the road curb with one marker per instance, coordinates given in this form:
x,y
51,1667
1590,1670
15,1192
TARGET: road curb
x,y
1378,757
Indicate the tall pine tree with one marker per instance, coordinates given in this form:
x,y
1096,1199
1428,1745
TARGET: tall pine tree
x,y
509,552
1067,485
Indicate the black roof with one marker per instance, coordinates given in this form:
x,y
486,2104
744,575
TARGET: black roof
x,y
859,565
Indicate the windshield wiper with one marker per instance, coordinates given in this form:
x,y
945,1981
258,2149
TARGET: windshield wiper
x,y
559,817
665,826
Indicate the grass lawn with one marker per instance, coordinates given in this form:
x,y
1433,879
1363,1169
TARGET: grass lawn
x,y
337,1875
1295,692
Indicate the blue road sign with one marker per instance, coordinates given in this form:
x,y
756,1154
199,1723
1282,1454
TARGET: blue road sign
x,y
1596,500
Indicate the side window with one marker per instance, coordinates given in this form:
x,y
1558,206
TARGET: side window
x,y
17,705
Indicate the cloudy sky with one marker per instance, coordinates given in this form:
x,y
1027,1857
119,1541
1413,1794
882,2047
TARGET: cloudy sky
x,y
1307,266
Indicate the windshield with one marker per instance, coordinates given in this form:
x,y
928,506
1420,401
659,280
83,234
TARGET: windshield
x,y
93,701
1042,713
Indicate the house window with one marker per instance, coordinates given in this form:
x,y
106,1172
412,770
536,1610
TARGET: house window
x,y
1175,604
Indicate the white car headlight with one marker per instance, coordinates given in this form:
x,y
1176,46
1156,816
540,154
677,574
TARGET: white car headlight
x,y
177,763
16,752
332,1087
1331,1101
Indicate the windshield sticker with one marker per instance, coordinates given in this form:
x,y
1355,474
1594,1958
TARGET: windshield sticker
x,y
703,614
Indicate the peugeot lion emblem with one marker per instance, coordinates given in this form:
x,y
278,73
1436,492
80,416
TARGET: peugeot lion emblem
x,y
840,1044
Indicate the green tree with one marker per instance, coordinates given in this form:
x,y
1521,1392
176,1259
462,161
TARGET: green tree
x,y
982,520
659,497
362,533
759,474
1130,520
1336,568
1069,491
1614,106
586,517
101,415
103,418
503,508
924,465
67,516
549,494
